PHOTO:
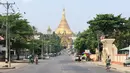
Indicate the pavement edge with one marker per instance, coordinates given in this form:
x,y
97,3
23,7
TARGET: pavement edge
x,y
113,68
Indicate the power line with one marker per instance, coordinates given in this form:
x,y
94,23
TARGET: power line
x,y
12,8
18,8
3,5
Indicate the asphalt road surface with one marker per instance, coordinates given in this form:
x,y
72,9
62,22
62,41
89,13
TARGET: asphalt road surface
x,y
61,64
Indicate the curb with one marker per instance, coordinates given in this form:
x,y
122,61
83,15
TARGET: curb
x,y
7,68
20,62
113,68
127,71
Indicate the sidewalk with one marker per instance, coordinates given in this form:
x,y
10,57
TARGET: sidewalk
x,y
120,68
16,65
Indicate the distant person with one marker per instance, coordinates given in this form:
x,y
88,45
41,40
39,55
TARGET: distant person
x,y
108,63
31,59
36,59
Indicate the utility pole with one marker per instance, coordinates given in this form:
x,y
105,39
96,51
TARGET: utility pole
x,y
33,52
50,49
98,46
7,5
42,46
33,44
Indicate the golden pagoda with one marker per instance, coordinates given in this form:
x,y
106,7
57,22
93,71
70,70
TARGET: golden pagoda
x,y
64,32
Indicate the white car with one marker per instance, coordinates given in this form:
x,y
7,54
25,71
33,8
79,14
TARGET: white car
x,y
47,57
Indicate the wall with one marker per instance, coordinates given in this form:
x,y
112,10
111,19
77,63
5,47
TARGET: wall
x,y
110,49
119,59
93,57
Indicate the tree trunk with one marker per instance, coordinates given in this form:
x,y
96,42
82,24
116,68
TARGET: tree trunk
x,y
17,53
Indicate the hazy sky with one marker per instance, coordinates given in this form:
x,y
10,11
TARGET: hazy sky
x,y
44,13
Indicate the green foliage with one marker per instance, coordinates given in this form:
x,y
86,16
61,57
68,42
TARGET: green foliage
x,y
54,41
51,41
107,23
104,24
86,40
22,35
19,29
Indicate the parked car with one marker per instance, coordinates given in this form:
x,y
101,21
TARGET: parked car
x,y
47,57
40,57
127,61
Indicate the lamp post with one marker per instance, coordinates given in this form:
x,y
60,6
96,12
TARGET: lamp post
x,y
74,38
98,46
49,31
50,47
33,47
42,37
34,32
47,44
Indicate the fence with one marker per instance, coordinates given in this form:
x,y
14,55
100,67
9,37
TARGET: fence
x,y
119,58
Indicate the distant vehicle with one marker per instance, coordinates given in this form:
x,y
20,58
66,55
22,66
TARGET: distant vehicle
x,y
77,57
40,57
47,57
127,61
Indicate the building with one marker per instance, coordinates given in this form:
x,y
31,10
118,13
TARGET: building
x,y
49,31
64,32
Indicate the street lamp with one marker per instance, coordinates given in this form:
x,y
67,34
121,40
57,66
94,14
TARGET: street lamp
x,y
34,37
50,47
49,32
42,37
46,42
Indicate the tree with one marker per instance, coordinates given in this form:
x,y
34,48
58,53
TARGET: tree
x,y
111,26
86,40
104,24
55,42
20,31
2,25
51,41
107,23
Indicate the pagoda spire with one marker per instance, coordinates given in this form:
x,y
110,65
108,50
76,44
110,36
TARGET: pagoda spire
x,y
63,25
64,31
63,15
